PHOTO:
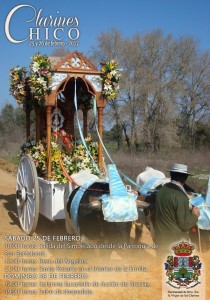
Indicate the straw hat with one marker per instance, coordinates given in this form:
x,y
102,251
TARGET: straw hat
x,y
179,168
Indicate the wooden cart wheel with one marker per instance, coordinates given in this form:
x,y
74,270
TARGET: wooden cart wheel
x,y
27,194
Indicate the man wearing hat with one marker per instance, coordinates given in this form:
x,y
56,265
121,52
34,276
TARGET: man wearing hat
x,y
174,217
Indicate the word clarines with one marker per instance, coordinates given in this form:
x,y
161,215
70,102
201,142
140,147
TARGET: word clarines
x,y
43,27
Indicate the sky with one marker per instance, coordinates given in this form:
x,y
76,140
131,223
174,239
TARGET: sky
x,y
176,17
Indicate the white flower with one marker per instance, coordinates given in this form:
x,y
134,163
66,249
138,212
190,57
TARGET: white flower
x,y
54,145
41,81
35,67
36,155
107,87
114,72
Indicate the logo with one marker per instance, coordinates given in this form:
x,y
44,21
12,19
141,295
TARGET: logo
x,y
41,29
183,269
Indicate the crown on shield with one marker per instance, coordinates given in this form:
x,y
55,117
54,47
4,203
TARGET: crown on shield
x,y
183,249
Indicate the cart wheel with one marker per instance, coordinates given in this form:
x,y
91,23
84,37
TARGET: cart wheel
x,y
27,194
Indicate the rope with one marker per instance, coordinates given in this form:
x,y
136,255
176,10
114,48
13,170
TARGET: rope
x,y
72,180
66,174
106,151
81,134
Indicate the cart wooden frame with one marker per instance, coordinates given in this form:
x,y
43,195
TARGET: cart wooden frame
x,y
36,195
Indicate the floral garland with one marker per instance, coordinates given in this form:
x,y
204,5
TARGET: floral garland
x,y
73,161
110,79
40,76
18,84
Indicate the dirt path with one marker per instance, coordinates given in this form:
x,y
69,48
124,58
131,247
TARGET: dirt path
x,y
8,212
9,226
146,258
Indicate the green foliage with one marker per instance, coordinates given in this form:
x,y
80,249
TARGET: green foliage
x,y
74,161
14,160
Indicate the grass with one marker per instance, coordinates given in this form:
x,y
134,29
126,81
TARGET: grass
x,y
14,160
134,163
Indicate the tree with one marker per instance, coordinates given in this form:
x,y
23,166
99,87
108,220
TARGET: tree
x,y
194,98
132,65
164,89
12,129
108,48
7,118
60,52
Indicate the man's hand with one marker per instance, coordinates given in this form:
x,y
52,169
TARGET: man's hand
x,y
196,211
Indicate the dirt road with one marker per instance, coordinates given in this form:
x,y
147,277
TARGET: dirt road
x,y
108,284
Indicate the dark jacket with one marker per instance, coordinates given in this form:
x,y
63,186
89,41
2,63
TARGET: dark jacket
x,y
173,216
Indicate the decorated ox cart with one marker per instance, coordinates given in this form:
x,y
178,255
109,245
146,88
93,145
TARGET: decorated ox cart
x,y
63,179
55,172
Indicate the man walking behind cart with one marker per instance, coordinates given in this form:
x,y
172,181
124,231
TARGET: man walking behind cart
x,y
174,217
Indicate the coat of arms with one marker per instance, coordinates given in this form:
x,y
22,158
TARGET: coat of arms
x,y
183,269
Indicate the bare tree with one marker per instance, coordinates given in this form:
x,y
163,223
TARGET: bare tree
x,y
108,48
60,52
164,90
194,98
155,89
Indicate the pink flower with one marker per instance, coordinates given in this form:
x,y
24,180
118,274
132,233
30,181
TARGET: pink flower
x,y
43,72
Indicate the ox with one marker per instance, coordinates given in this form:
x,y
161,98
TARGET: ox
x,y
149,181
100,210
148,174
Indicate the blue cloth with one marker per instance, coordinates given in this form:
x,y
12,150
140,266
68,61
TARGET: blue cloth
x,y
147,186
201,201
208,194
119,205
116,186
74,209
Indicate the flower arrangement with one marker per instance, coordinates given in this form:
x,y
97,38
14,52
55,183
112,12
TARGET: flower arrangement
x,y
40,76
110,79
73,162
80,158
18,84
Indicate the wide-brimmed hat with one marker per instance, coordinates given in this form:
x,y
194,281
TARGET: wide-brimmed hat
x,y
179,168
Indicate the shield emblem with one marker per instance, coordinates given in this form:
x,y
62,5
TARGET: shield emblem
x,y
184,269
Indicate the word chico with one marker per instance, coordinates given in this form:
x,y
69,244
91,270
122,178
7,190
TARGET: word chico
x,y
43,27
